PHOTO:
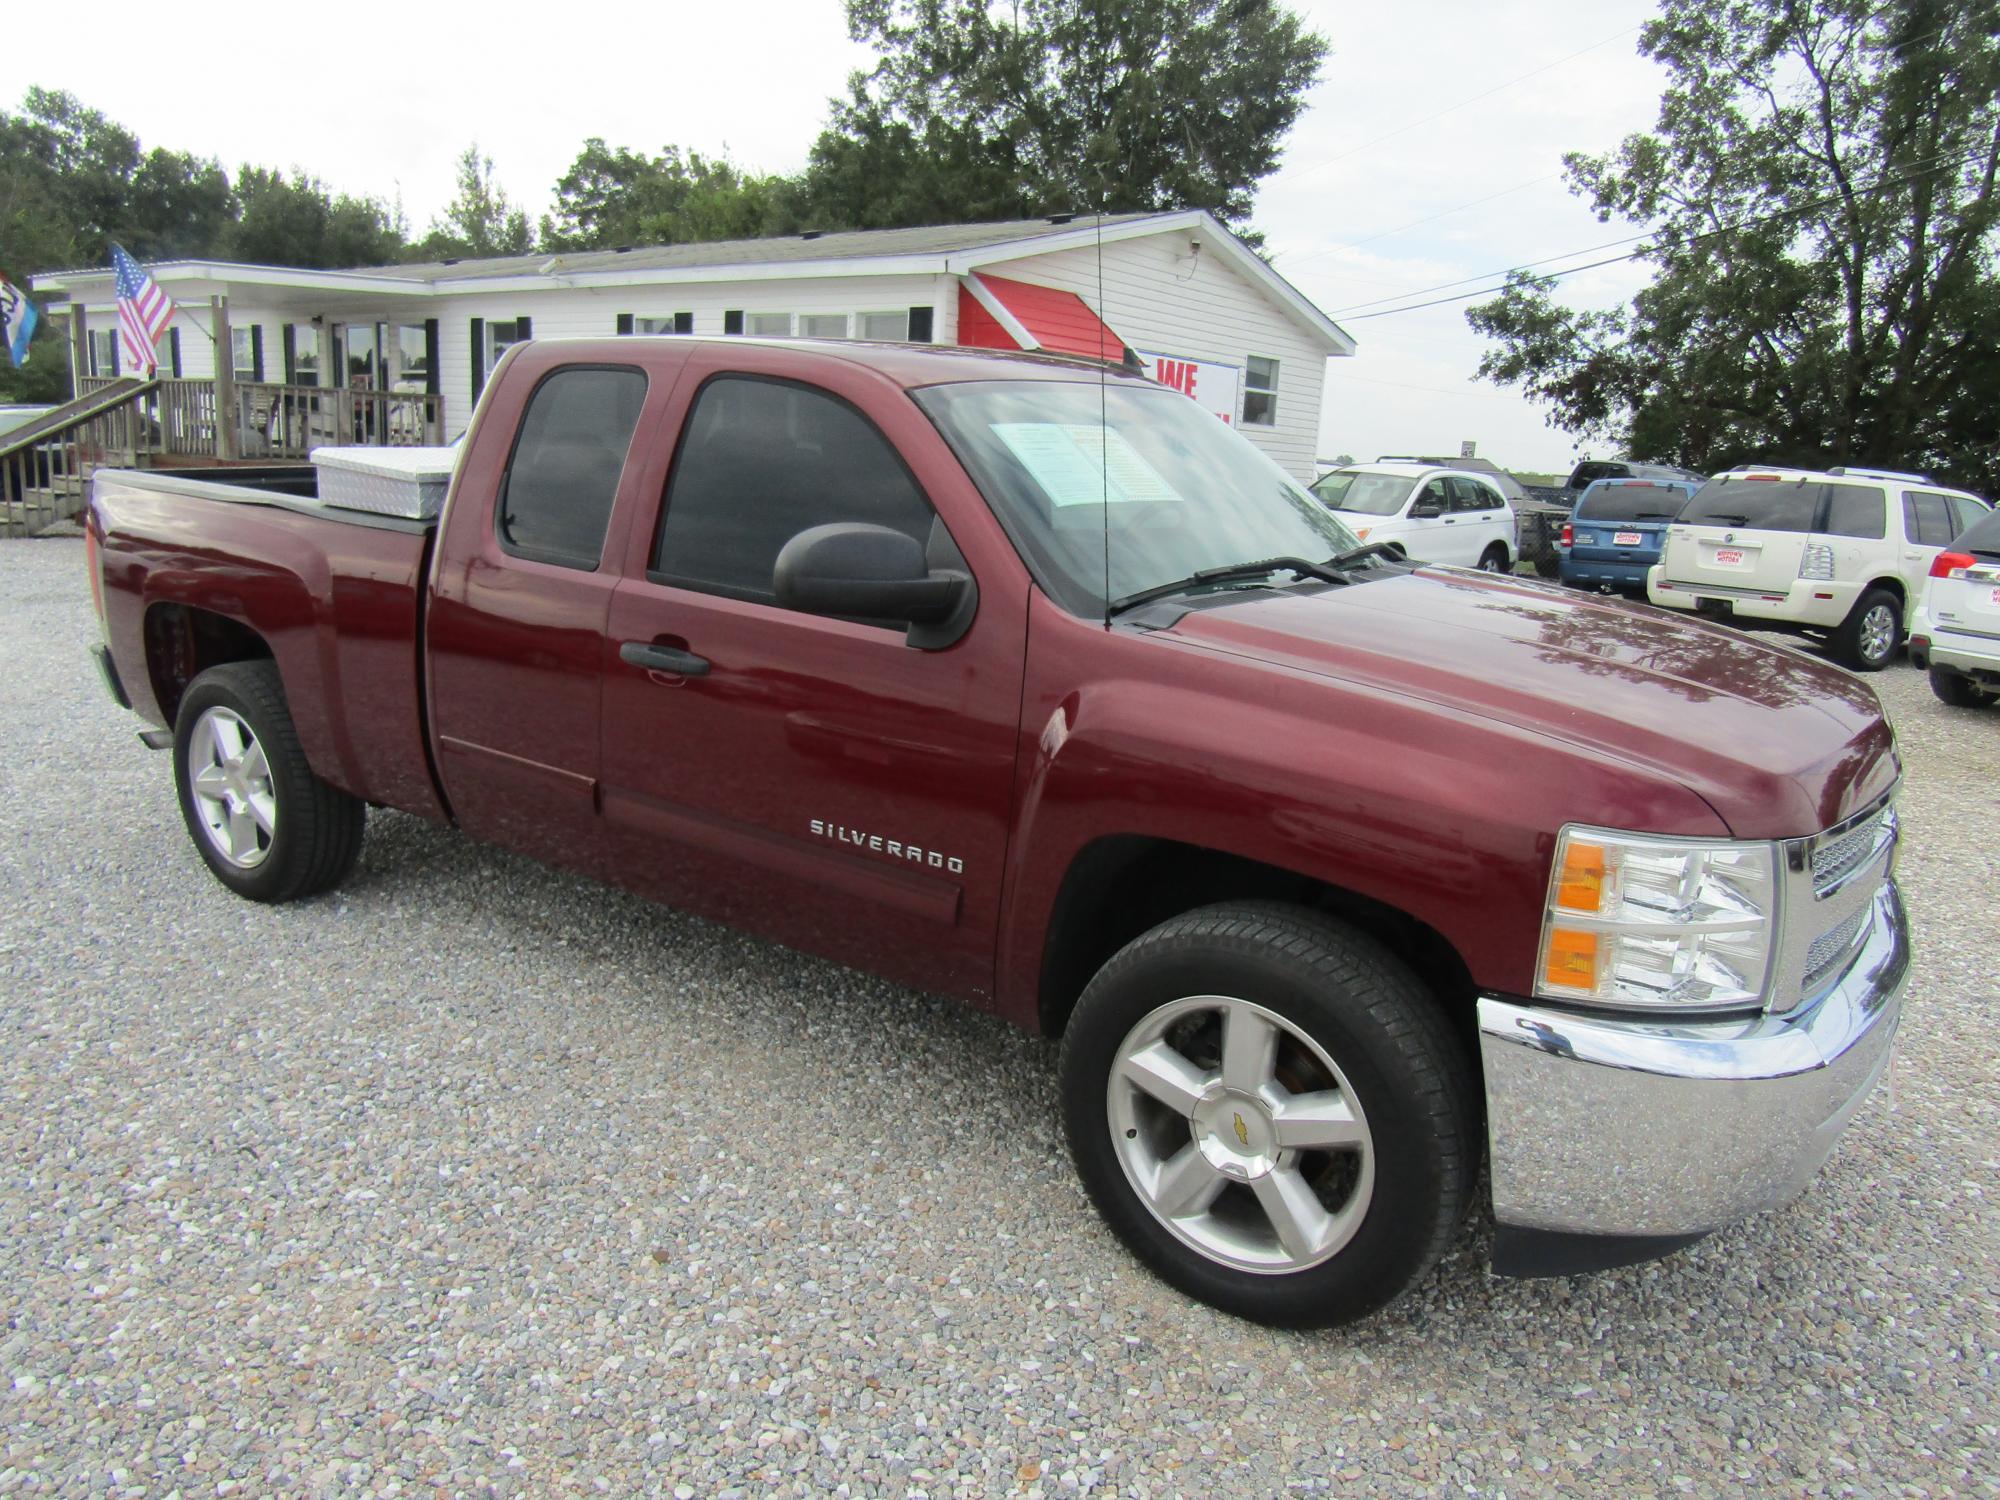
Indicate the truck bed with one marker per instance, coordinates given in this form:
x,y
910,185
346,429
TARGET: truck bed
x,y
255,565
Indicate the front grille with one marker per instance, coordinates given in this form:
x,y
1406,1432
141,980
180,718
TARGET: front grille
x,y
1834,861
1829,951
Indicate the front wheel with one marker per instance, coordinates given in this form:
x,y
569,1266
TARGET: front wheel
x,y
262,821
1269,1110
1869,636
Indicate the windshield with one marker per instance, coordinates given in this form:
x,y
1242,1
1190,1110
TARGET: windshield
x,y
1363,494
1632,502
1185,491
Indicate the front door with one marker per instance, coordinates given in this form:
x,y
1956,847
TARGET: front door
x,y
818,780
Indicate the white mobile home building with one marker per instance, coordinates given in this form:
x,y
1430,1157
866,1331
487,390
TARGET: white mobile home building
x,y
400,353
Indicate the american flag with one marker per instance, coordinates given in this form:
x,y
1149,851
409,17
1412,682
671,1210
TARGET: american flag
x,y
143,311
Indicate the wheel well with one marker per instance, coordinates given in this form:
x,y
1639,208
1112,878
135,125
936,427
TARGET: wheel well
x,y
1122,886
183,642
1893,586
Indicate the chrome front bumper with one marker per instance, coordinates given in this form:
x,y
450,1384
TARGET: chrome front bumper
x,y
1602,1125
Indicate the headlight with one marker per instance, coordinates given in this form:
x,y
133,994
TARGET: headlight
x,y
1658,923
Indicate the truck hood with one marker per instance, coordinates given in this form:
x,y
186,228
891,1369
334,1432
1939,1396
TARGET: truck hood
x,y
1777,743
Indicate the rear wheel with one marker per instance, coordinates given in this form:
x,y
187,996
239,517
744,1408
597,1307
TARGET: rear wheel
x,y
262,821
1867,639
1269,1110
1957,689
1494,559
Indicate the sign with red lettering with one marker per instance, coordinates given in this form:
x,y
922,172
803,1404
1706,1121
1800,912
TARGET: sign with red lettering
x,y
1212,386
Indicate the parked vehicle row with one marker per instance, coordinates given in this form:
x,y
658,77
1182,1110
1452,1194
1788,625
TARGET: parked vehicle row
x,y
1845,555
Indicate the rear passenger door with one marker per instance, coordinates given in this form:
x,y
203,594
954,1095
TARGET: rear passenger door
x,y
815,779
515,627
1481,519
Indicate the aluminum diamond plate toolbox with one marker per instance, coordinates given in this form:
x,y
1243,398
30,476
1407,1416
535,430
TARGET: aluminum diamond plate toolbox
x,y
407,482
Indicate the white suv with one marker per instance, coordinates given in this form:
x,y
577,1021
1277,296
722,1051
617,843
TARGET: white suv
x,y
1956,628
1437,515
1837,552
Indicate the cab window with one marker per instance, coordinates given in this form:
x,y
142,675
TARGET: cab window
x,y
762,460
555,500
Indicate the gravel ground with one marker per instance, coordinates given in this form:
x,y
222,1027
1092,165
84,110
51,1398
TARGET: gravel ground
x,y
477,1178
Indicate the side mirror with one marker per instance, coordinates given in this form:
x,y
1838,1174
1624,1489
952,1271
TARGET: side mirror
x,y
1426,510
866,572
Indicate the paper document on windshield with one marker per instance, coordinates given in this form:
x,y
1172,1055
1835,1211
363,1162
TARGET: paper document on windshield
x,y
1081,464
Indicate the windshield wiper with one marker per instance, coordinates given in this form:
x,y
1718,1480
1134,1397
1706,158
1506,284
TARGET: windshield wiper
x,y
1389,550
1260,569
1729,517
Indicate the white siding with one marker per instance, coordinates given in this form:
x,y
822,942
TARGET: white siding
x,y
1160,300
592,312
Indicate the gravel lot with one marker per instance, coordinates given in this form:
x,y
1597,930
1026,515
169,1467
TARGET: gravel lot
x,y
478,1178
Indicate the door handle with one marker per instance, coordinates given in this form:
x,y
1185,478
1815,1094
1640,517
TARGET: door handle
x,y
663,659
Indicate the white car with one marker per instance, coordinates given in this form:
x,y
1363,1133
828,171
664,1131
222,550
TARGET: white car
x,y
1841,553
1437,515
1956,628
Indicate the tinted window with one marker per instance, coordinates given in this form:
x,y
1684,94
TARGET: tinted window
x,y
1761,504
557,495
1470,494
1587,473
1964,512
1856,510
763,460
1631,502
1983,536
1927,519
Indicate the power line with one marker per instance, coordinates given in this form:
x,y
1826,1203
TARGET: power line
x,y
1452,108
1443,213
1608,244
1920,169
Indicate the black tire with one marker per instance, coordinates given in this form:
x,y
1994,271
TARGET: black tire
x,y
315,834
1957,689
1849,643
1407,1072
1494,559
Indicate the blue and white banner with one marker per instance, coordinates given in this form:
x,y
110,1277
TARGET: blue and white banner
x,y
17,321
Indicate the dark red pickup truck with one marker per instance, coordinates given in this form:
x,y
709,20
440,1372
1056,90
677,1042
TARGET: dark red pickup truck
x,y
1034,685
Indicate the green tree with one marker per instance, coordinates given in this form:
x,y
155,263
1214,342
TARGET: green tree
x,y
297,222
976,111
619,197
1820,198
480,220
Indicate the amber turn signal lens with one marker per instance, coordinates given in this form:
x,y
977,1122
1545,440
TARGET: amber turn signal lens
x,y
1571,960
1581,887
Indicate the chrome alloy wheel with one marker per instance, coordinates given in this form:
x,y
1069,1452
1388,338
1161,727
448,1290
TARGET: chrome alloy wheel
x,y
1878,632
234,801
1240,1134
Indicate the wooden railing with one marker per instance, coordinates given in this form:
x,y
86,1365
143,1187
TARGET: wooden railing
x,y
178,419
40,486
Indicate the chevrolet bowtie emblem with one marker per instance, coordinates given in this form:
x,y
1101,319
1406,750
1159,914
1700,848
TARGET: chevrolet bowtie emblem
x,y
1242,1131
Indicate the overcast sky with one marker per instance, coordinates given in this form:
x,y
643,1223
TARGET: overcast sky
x,y
1425,108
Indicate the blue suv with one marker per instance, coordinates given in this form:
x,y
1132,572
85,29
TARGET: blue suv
x,y
1615,533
